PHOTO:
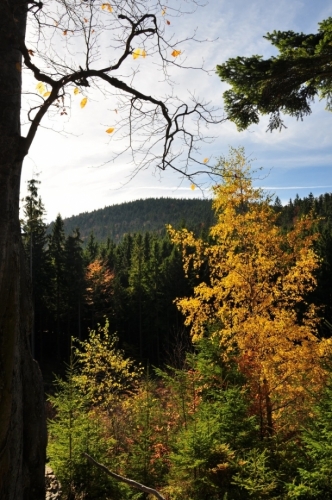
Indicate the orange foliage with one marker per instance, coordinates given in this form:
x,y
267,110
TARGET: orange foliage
x,y
99,283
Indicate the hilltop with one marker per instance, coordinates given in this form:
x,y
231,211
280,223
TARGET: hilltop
x,y
140,216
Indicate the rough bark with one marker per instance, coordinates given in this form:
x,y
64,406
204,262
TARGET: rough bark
x,y
22,420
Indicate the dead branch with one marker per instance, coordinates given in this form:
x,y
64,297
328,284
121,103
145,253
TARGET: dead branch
x,y
125,480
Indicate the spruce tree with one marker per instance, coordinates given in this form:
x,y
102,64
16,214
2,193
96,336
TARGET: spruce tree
x,y
286,83
74,283
314,478
57,255
137,283
38,262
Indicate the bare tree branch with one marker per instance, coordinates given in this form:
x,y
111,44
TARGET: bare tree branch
x,y
160,132
130,482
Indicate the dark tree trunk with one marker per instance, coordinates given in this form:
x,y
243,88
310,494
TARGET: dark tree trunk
x,y
268,407
22,419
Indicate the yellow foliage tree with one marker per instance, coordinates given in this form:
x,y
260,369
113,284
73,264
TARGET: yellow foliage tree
x,y
255,295
105,374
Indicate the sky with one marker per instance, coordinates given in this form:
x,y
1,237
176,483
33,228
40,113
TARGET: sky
x,y
70,154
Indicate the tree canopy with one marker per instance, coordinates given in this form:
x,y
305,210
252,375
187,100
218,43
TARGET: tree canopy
x,y
256,294
283,84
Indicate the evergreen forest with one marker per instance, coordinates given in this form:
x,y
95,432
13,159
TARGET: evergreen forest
x,y
150,215
193,358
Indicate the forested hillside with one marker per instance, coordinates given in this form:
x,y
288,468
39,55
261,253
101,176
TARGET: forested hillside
x,y
202,362
134,282
142,215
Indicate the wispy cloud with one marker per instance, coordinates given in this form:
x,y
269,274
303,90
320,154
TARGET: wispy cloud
x,y
299,155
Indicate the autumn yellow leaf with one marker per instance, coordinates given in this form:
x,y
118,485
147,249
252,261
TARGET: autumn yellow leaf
x,y
107,6
110,130
163,12
176,53
65,32
41,88
76,90
192,187
139,53
205,160
46,94
83,102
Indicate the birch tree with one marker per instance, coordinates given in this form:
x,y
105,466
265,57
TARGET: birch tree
x,y
256,296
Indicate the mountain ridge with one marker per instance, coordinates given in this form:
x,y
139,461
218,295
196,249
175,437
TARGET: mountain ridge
x,y
150,214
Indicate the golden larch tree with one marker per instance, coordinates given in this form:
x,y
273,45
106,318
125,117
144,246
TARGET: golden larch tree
x,y
259,278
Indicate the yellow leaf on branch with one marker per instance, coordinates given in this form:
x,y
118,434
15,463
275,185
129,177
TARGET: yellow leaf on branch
x,y
76,90
139,53
41,88
192,187
46,94
110,130
205,160
176,53
163,12
107,6
83,102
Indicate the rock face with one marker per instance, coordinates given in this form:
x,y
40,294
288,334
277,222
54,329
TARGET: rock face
x,y
53,487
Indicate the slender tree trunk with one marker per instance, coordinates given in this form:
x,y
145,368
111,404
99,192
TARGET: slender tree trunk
x,y
22,421
268,405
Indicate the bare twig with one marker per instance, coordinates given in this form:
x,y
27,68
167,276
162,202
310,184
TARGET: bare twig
x,y
84,47
125,480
